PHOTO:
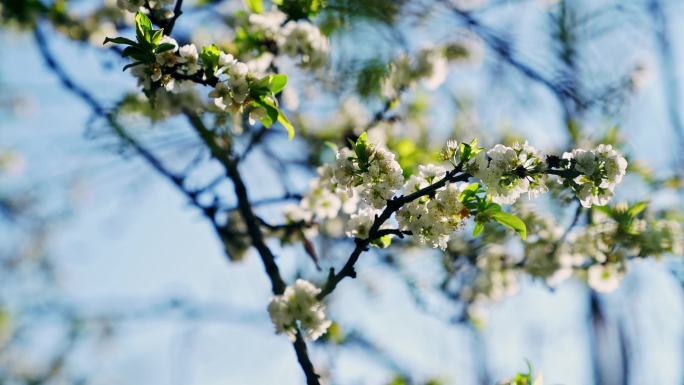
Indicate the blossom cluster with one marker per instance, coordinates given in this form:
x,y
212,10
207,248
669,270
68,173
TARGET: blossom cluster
x,y
183,60
299,307
597,252
297,39
508,172
601,170
366,176
232,90
371,171
433,219
604,248
429,67
160,64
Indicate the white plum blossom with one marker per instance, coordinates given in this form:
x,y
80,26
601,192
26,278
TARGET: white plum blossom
x,y
601,170
325,199
375,181
508,172
304,40
431,173
299,307
295,214
259,66
382,180
231,92
432,221
660,237
270,23
360,223
297,39
433,66
414,183
321,201
168,58
189,58
604,277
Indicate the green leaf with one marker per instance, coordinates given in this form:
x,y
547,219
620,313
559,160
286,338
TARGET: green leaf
x,y
479,226
164,47
604,209
383,242
119,40
360,149
399,380
277,83
511,221
210,57
271,113
491,208
137,54
255,6
270,84
636,209
468,192
143,26
131,65
156,36
286,123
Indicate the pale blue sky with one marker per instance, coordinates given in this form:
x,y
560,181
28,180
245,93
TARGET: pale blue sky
x,y
133,240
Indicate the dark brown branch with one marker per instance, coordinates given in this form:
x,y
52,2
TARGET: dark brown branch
x,y
304,361
217,152
222,153
177,12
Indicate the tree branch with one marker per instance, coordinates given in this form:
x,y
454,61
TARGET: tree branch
x,y
375,232
222,153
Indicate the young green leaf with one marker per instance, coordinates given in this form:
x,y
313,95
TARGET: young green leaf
x,y
210,57
511,221
269,84
143,26
156,36
470,191
286,123
360,149
255,6
164,47
636,209
383,242
271,113
479,226
277,83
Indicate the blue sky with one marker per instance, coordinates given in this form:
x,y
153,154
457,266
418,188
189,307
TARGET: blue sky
x,y
133,240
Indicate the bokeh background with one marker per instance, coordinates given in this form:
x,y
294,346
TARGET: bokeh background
x,y
109,277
